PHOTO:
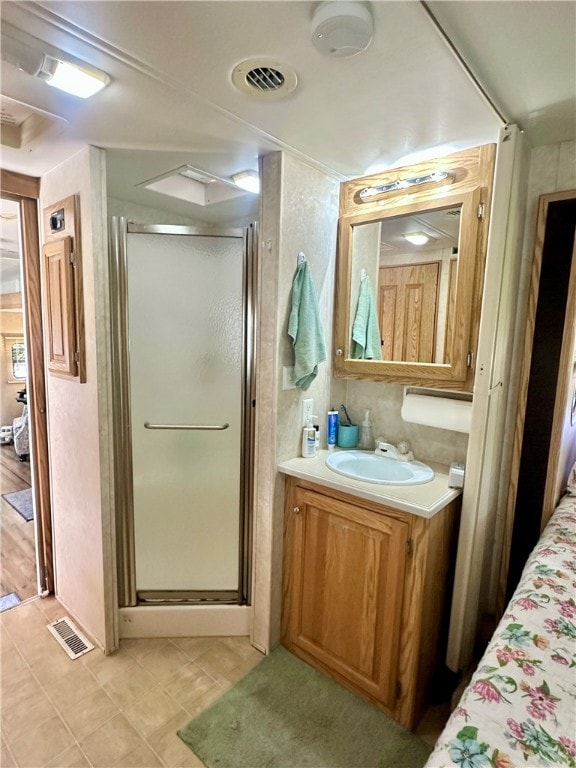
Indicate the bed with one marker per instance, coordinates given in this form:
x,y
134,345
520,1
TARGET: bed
x,y
519,708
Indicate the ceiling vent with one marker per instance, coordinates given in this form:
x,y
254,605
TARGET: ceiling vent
x,y
264,78
194,186
22,124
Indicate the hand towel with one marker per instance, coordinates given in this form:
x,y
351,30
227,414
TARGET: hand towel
x,y
305,328
366,342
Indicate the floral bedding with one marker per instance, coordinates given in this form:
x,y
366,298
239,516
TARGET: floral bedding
x,y
519,708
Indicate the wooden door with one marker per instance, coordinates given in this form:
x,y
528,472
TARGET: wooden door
x,y
347,579
407,299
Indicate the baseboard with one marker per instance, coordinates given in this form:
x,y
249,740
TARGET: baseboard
x,y
185,621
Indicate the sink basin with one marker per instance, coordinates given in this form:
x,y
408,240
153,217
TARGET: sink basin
x,y
363,465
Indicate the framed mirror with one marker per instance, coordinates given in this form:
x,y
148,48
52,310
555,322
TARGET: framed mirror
x,y
409,277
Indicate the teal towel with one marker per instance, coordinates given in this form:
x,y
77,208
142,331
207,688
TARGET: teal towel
x,y
366,342
305,328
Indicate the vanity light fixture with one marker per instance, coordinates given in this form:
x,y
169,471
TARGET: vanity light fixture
x,y
77,79
417,238
430,178
248,180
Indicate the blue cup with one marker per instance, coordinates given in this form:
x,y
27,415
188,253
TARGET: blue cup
x,y
347,436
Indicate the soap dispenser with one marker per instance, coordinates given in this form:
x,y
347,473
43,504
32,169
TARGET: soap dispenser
x,y
366,435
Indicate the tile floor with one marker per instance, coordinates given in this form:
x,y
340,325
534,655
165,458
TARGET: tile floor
x,y
116,711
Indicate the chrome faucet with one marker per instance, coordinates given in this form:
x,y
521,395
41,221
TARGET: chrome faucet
x,y
400,453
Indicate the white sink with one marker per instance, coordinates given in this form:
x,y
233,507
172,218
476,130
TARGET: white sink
x,y
363,465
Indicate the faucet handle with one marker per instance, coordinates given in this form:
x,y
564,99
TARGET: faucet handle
x,y
404,450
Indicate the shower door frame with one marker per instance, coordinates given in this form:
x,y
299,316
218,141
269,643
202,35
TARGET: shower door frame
x,y
128,595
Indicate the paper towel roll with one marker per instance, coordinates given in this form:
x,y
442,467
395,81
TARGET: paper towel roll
x,y
442,412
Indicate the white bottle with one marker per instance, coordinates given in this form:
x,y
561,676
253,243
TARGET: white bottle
x,y
309,440
366,435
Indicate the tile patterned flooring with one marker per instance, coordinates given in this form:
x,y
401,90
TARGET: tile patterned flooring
x,y
106,711
117,711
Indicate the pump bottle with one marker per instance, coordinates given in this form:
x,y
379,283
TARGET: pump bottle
x,y
309,439
366,435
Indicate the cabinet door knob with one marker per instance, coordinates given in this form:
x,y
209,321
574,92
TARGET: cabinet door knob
x,y
296,510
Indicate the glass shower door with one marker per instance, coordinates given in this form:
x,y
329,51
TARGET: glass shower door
x,y
186,331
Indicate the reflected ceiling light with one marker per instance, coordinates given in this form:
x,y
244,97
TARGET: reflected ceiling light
x,y
77,79
248,180
429,178
417,238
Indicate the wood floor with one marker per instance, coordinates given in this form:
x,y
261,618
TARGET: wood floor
x,y
17,547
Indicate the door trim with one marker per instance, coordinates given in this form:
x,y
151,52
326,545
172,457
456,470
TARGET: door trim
x,y
25,190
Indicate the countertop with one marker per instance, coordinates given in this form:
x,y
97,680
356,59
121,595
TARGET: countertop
x,y
424,500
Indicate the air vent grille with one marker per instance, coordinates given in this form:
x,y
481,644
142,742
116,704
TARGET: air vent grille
x,y
264,78
73,642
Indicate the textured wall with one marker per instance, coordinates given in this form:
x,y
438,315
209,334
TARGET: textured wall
x,y
299,212
78,421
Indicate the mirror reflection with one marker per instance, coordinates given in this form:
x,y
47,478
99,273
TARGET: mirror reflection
x,y
409,266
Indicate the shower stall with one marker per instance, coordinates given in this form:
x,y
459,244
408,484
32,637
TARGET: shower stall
x,y
182,325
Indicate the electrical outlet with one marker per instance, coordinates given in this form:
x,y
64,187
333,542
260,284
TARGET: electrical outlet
x,y
307,410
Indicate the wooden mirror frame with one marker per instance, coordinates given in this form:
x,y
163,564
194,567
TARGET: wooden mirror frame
x,y
469,186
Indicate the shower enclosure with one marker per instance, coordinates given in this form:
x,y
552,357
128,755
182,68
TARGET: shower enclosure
x,y
183,345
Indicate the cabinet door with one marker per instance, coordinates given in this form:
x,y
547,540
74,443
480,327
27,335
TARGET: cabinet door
x,y
347,580
60,307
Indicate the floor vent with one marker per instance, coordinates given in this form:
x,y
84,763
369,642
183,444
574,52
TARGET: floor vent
x,y
73,641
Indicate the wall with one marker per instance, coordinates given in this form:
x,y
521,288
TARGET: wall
x,y
299,212
79,421
11,323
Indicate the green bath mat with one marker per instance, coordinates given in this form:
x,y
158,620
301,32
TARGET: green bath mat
x,y
285,714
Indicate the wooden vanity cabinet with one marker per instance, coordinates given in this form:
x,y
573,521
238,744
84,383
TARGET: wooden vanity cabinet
x,y
364,593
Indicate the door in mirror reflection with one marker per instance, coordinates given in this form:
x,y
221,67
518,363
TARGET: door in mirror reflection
x,y
413,261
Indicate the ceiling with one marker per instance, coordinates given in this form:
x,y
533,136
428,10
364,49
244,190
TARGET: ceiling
x,y
171,100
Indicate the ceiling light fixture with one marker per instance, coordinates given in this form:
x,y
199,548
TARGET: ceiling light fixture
x,y
430,178
248,180
417,238
77,79
72,78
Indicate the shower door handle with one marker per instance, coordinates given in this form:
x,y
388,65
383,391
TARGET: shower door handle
x,y
147,425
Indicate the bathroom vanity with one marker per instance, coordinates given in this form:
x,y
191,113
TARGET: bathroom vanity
x,y
367,581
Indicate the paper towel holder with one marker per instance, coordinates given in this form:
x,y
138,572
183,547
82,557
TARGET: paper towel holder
x,y
440,409
445,393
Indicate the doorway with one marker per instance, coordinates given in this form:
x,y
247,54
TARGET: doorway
x,y
550,314
182,331
26,527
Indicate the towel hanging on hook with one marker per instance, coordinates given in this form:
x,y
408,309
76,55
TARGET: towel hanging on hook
x,y
305,327
363,275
